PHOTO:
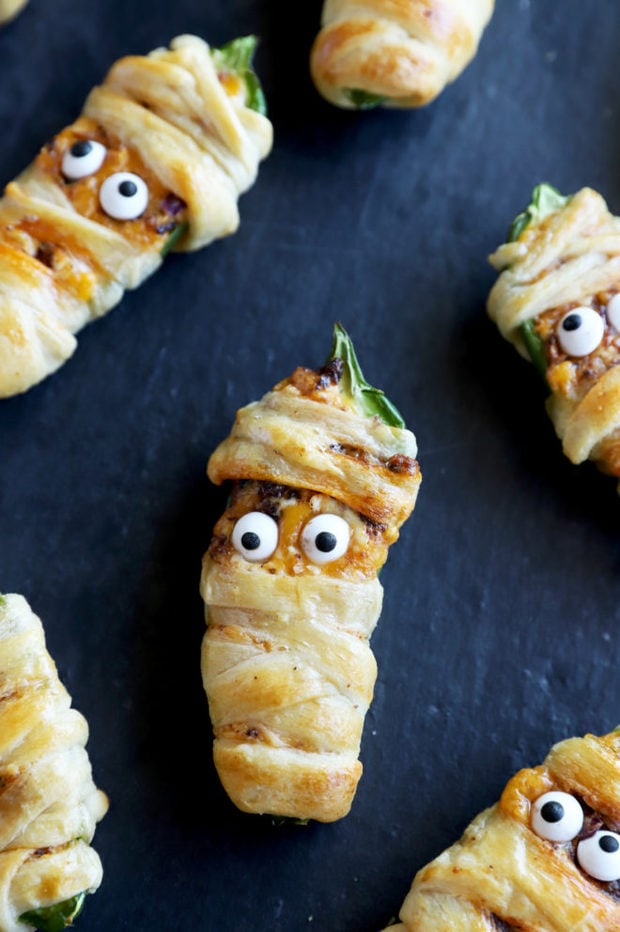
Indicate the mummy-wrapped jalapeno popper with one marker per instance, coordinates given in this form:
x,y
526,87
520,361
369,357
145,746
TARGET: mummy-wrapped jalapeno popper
x,y
156,161
394,53
546,857
49,805
323,475
557,299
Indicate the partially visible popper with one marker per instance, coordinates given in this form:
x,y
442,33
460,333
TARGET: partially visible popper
x,y
392,53
49,805
557,299
546,857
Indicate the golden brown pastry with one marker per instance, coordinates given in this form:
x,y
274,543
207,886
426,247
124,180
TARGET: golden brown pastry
x,y
10,8
324,473
545,858
394,53
157,160
557,299
49,805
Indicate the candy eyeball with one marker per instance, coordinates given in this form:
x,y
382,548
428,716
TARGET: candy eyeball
x,y
83,158
124,196
255,536
325,538
613,312
557,816
599,855
580,331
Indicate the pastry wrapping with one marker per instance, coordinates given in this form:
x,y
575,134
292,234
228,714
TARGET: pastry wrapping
x,y
49,805
546,857
10,8
323,475
395,53
156,161
555,300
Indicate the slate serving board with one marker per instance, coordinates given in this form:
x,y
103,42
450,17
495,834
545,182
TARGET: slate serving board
x,y
499,629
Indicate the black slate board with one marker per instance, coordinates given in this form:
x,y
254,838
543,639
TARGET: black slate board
x,y
499,629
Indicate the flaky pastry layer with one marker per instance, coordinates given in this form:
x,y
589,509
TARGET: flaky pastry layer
x,y
166,117
402,51
567,260
49,805
501,874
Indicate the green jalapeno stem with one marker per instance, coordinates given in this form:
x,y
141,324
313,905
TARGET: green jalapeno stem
x,y
545,200
173,239
371,401
236,58
534,346
54,918
364,100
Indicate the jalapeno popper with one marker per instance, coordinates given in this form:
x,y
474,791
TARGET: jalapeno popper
x,y
323,475
156,161
545,857
49,805
557,299
394,53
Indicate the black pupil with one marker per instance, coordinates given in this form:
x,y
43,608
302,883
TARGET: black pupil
x,y
127,188
81,148
609,844
572,322
325,541
250,540
552,811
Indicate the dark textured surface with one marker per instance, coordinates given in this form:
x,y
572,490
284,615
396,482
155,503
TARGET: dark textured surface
x,y
499,630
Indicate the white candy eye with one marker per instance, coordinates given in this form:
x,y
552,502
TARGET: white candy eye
x,y
599,855
255,536
557,816
124,196
84,157
325,538
613,312
580,331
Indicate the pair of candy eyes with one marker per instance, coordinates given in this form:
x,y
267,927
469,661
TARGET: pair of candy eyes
x,y
582,329
558,816
123,195
323,539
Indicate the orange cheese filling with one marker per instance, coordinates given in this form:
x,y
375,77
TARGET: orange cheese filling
x,y
151,229
568,375
292,509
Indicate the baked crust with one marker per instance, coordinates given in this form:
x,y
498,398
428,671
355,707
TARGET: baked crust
x,y
402,51
49,805
286,663
571,258
167,117
502,875
10,8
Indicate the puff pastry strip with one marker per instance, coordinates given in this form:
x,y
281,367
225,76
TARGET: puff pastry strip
x,y
180,120
506,874
286,664
10,8
49,805
398,53
561,267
